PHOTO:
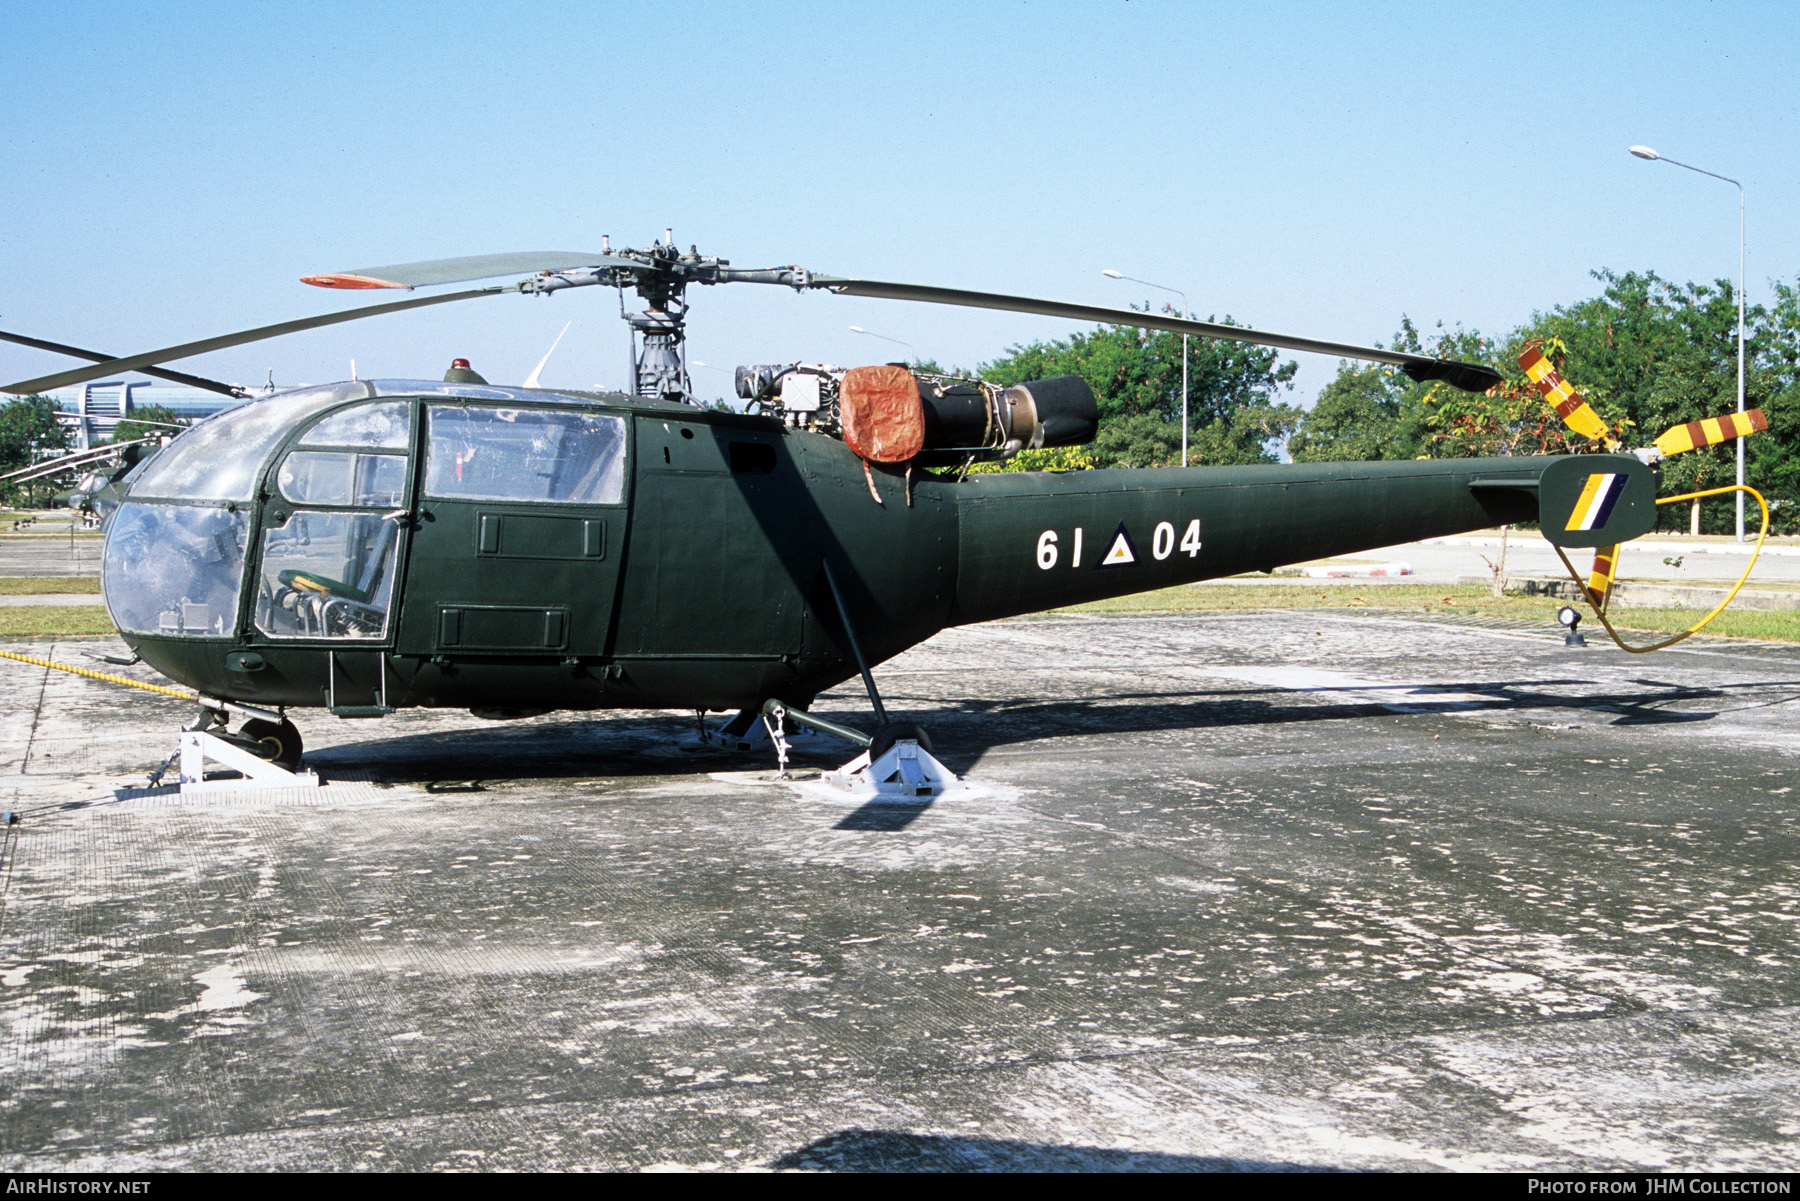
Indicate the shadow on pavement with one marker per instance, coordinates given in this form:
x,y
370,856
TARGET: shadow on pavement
x,y
627,747
897,1151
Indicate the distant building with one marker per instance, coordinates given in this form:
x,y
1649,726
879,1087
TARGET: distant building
x,y
91,411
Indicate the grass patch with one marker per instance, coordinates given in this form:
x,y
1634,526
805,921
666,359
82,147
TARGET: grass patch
x,y
48,585
40,535
1469,600
36,621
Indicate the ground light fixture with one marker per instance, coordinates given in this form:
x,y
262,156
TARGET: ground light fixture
x,y
1568,618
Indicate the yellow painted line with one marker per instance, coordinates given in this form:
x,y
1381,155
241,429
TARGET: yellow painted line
x,y
86,673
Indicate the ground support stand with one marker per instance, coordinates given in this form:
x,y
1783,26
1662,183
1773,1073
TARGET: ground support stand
x,y
746,733
905,771
198,746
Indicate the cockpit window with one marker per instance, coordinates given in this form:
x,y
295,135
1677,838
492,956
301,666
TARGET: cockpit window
x,y
174,569
342,477
223,457
525,455
327,575
384,426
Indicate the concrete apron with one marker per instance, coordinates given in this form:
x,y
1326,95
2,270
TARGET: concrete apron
x,y
1317,890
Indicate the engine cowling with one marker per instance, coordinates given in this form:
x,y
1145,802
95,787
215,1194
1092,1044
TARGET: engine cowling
x,y
962,418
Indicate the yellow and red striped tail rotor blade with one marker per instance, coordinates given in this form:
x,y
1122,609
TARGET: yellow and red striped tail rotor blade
x,y
1600,580
1576,413
1679,439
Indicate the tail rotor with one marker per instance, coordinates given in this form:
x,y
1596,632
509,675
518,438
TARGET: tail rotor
x,y
1594,504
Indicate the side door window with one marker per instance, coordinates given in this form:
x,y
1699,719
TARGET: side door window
x,y
525,455
517,540
330,552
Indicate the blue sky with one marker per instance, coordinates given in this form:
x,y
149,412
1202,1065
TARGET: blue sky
x,y
170,170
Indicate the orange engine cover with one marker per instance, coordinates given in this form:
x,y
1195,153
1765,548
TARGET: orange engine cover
x,y
884,419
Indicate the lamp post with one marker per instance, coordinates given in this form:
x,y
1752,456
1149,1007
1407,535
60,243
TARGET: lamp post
x,y
857,329
1109,273
1644,152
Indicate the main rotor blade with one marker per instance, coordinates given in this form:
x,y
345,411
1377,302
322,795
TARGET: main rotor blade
x,y
1471,377
79,458
179,377
461,270
138,362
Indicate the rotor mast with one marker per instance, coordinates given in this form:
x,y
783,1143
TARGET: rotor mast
x,y
659,330
660,276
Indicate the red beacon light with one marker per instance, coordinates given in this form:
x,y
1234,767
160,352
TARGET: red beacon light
x,y
461,373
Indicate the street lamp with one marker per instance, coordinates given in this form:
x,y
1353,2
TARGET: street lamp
x,y
1644,152
857,329
1109,273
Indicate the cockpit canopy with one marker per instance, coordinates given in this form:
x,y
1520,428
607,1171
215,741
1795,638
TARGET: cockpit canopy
x,y
222,458
330,536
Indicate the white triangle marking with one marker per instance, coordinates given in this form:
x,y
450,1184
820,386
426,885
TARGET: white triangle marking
x,y
1120,553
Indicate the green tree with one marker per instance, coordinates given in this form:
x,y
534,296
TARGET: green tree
x,y
29,431
1139,440
1772,458
1372,411
1367,411
1511,418
1045,458
151,419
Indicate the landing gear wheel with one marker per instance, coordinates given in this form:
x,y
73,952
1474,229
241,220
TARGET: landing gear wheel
x,y
893,732
276,741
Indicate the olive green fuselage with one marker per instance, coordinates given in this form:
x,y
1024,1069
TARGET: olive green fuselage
x,y
704,588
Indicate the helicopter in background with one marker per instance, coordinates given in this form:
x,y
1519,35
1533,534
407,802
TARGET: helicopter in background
x,y
368,546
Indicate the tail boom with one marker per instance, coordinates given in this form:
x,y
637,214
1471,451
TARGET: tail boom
x,y
1030,542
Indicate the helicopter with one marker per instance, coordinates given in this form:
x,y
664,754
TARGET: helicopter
x,y
372,545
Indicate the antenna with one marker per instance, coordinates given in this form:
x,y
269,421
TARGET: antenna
x,y
531,381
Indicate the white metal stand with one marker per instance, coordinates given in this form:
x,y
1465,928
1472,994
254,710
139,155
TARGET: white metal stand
x,y
755,739
905,771
197,747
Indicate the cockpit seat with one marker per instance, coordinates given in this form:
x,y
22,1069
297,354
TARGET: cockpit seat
x,y
308,581
334,609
